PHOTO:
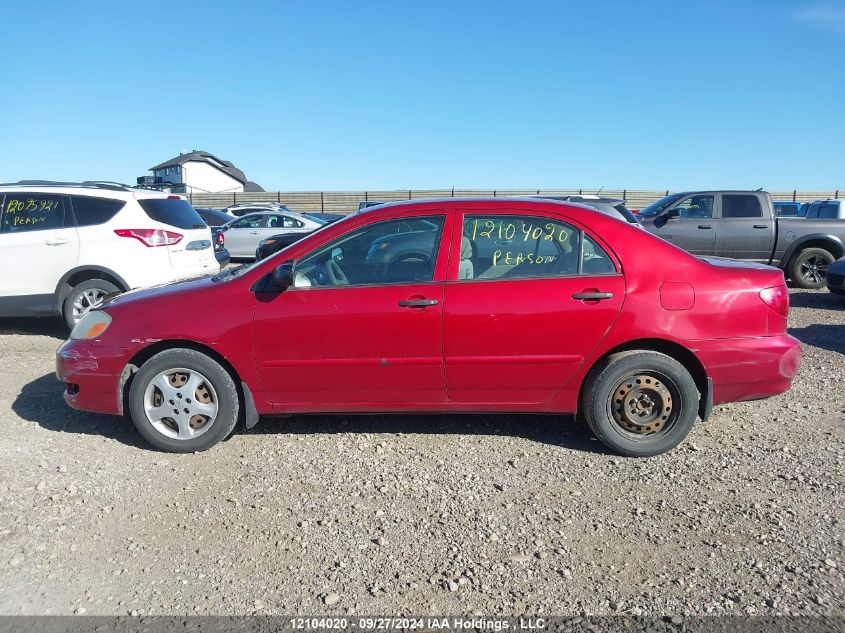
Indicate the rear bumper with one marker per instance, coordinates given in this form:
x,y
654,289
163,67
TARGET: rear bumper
x,y
91,376
222,256
749,368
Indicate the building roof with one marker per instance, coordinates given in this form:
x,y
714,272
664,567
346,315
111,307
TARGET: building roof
x,y
202,156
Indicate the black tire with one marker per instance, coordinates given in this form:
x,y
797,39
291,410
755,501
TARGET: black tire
x,y
808,267
79,293
224,392
673,395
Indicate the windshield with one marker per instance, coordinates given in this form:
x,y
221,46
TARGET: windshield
x,y
656,207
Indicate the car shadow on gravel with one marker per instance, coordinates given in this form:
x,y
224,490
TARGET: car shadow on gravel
x,y
818,300
564,431
829,337
41,402
35,326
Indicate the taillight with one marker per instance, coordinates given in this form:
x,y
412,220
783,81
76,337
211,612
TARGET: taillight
x,y
151,237
635,211
777,298
220,238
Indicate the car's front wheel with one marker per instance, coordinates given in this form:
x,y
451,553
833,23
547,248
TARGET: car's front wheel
x,y
85,297
640,403
182,401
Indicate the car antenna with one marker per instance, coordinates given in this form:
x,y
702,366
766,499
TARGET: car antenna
x,y
600,190
759,189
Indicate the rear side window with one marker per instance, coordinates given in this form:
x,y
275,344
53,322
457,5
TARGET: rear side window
x,y
33,212
91,211
741,206
813,210
829,211
173,212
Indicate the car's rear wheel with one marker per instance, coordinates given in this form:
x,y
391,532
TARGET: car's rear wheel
x,y
85,297
640,403
808,268
181,400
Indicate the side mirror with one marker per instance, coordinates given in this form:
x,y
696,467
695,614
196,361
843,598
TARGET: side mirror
x,y
673,213
283,275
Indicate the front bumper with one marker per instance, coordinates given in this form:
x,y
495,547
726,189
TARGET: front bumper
x,y
749,368
91,375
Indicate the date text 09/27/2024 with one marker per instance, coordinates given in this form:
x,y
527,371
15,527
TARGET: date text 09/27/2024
x,y
419,623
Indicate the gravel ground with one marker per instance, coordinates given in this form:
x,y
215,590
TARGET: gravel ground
x,y
426,514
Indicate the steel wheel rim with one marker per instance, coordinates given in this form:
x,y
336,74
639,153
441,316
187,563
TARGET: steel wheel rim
x,y
87,301
181,403
644,404
814,268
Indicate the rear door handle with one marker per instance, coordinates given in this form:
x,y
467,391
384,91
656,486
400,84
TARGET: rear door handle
x,y
761,226
705,226
417,303
592,296
57,241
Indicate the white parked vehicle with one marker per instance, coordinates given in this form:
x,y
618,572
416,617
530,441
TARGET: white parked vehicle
x,y
240,210
243,235
64,246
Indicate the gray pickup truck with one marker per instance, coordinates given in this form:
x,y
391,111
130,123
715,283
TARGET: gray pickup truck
x,y
742,225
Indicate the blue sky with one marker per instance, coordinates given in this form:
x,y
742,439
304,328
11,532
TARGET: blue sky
x,y
368,95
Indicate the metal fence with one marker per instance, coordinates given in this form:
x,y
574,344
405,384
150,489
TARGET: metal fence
x,y
347,201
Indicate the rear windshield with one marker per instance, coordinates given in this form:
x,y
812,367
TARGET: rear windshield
x,y
213,217
172,211
623,210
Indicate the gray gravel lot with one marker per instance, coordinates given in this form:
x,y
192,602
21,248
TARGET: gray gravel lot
x,y
426,514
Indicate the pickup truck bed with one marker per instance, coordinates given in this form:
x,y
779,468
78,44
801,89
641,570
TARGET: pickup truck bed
x,y
742,225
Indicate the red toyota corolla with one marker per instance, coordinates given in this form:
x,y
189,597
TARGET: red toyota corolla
x,y
493,305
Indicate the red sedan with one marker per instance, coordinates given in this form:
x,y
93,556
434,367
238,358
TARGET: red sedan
x,y
491,305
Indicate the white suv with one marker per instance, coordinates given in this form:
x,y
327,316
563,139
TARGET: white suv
x,y
64,246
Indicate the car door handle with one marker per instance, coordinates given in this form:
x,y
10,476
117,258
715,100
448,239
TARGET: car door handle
x,y
418,303
592,296
253,232
761,226
58,241
705,226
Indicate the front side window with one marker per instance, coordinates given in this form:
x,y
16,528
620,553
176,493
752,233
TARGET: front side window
x,y
741,206
696,207
519,247
402,251
33,212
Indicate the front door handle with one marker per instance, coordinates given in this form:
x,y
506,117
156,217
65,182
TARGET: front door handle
x,y
705,226
592,296
58,241
253,232
417,303
761,226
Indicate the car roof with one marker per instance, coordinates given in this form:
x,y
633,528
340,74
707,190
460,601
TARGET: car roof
x,y
479,203
89,187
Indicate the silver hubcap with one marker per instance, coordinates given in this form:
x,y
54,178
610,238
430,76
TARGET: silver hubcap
x,y
180,403
87,301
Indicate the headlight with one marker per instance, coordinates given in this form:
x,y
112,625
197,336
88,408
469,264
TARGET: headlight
x,y
91,326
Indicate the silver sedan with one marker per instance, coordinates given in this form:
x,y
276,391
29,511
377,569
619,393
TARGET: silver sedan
x,y
241,236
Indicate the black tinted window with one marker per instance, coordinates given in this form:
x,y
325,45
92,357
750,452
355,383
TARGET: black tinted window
x,y
172,211
829,211
741,206
213,217
90,211
813,210
33,212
